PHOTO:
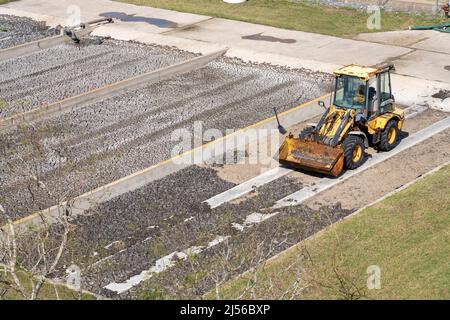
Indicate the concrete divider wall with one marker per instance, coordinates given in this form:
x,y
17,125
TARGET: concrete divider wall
x,y
38,45
72,103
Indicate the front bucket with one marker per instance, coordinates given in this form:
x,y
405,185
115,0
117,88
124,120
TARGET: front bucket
x,y
312,156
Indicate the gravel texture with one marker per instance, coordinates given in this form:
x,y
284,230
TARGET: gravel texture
x,y
104,141
243,251
129,233
18,30
67,70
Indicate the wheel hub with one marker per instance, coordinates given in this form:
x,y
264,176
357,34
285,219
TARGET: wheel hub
x,y
357,153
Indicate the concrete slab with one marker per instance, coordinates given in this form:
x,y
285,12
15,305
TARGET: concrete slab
x,y
436,41
406,38
63,11
425,65
119,32
427,40
290,43
411,90
50,21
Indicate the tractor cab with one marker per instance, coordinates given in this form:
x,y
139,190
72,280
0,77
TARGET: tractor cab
x,y
362,115
367,90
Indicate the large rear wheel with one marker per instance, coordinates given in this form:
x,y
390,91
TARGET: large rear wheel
x,y
390,137
354,152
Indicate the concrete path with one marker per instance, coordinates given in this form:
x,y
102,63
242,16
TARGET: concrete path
x,y
429,57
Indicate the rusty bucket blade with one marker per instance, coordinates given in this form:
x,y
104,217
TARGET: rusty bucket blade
x,y
312,156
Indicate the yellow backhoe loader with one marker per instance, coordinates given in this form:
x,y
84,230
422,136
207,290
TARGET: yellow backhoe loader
x,y
362,114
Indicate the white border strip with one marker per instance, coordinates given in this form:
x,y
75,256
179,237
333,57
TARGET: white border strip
x,y
247,186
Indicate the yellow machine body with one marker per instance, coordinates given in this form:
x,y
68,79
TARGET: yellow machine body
x,y
321,150
311,156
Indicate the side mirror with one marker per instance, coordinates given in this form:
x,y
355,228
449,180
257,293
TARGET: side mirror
x,y
322,104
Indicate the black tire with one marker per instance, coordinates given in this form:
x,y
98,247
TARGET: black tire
x,y
350,146
387,142
306,133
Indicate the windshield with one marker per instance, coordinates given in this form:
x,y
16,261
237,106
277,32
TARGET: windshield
x,y
350,93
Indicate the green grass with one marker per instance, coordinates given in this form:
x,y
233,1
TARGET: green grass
x,y
3,103
47,291
6,1
407,235
342,22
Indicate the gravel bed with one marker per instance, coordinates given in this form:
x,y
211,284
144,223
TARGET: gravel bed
x,y
18,30
393,6
104,141
140,227
67,70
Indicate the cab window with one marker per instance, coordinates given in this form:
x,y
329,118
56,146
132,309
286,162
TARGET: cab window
x,y
350,93
385,86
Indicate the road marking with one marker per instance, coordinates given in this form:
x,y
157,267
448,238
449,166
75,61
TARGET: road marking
x,y
113,89
161,265
247,186
253,219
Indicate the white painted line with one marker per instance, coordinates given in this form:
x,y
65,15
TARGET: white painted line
x,y
111,244
161,265
253,219
247,186
414,110
326,183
